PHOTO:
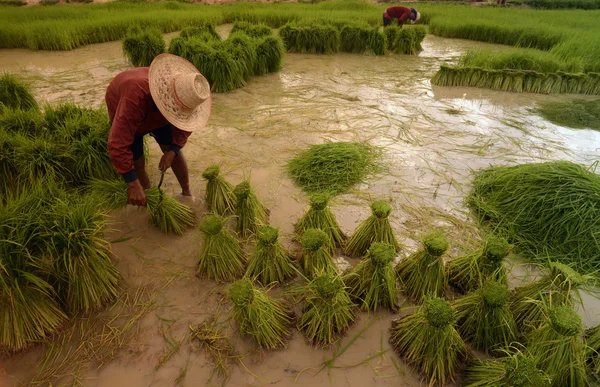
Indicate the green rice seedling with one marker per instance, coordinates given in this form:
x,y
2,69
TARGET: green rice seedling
x,y
362,39
166,213
217,346
428,341
559,346
320,216
376,228
57,116
177,46
203,30
141,47
573,114
422,273
250,212
223,71
8,170
109,194
562,205
310,38
391,32
201,54
315,257
90,159
468,272
219,192
592,336
259,316
15,94
560,286
252,30
269,55
221,257
243,49
372,282
515,369
28,122
270,263
420,34
406,41
518,59
333,167
328,311
36,158
485,319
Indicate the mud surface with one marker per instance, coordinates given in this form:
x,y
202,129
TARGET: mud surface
x,y
433,139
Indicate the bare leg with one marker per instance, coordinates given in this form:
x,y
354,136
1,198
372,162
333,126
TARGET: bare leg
x,y
140,171
180,169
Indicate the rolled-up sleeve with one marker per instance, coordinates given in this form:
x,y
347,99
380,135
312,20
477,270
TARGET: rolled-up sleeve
x,y
128,115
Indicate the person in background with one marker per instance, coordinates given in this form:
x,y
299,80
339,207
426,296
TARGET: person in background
x,y
169,100
401,14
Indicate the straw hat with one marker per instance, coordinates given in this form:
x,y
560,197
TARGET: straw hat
x,y
417,16
180,92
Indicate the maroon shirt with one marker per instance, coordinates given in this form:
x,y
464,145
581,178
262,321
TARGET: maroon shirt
x,y
398,12
132,113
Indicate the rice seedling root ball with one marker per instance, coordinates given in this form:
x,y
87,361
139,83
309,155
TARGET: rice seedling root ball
x,y
15,94
270,263
376,228
250,212
219,192
221,256
320,216
315,256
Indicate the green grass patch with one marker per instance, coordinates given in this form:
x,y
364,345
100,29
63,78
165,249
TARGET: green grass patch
x,y
560,4
577,113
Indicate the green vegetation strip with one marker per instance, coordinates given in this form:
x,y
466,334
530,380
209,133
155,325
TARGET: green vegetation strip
x,y
573,114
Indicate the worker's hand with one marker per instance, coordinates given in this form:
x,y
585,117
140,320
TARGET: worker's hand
x,y
135,193
166,160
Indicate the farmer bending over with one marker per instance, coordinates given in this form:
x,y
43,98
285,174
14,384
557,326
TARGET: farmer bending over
x,y
401,14
170,99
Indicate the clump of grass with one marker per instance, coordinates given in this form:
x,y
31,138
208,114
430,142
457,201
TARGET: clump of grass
x,y
219,192
485,319
562,217
362,39
593,349
468,272
315,257
320,216
516,369
221,256
15,94
141,47
373,281
558,287
259,316
251,213
252,30
310,38
422,273
166,213
559,346
202,30
428,341
376,228
269,55
270,263
573,114
328,311
217,345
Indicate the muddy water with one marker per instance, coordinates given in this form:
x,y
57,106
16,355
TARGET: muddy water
x,y
433,139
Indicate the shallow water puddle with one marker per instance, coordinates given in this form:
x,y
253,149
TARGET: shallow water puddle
x,y
432,138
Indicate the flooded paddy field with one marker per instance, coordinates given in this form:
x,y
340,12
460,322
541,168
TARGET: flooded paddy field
x,y
433,140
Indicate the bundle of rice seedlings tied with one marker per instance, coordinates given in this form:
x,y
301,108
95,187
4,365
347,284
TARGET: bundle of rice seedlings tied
x,y
221,256
328,311
315,257
270,263
362,39
515,369
406,42
208,30
141,47
428,341
422,273
468,272
311,38
253,30
372,282
222,70
592,336
376,228
269,55
259,316
167,213
251,213
15,94
558,344
485,319
219,192
560,286
243,49
320,216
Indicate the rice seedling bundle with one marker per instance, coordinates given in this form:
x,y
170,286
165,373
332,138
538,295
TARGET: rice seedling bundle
x,y
408,40
428,341
202,30
315,257
468,272
221,256
376,228
259,316
8,169
166,213
559,346
517,369
573,114
545,209
310,38
372,282
250,212
328,311
362,39
15,94
593,349
37,158
484,317
320,216
422,273
560,286
269,55
333,167
141,47
252,30
219,192
223,71
177,46
270,263
243,49
391,32
28,122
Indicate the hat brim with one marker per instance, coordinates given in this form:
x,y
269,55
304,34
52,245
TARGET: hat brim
x,y
163,70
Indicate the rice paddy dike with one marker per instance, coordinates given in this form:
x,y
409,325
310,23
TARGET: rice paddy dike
x,y
433,138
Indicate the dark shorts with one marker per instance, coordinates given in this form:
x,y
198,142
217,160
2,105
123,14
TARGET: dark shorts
x,y
162,136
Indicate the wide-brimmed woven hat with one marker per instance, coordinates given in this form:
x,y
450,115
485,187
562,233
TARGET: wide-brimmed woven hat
x,y
180,92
